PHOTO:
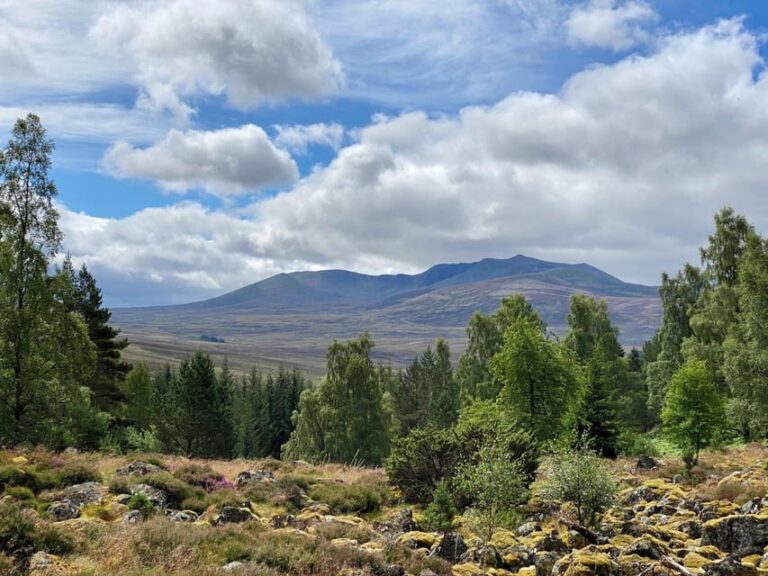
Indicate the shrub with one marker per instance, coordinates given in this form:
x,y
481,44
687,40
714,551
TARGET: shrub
x,y
14,476
358,497
440,513
17,530
54,540
71,474
119,485
141,503
202,476
20,494
177,490
421,459
580,477
496,484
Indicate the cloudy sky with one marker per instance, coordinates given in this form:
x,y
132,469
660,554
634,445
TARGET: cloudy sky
x,y
206,144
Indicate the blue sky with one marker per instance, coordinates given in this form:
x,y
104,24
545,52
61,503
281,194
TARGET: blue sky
x,y
204,145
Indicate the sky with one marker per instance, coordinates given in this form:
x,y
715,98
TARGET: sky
x,y
202,145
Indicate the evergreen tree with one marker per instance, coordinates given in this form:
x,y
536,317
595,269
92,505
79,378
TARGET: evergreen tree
x,y
139,393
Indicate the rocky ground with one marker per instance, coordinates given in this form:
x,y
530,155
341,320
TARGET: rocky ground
x,y
88,515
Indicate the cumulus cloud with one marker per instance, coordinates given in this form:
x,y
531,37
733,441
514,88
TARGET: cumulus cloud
x,y
610,24
298,138
253,52
223,162
622,168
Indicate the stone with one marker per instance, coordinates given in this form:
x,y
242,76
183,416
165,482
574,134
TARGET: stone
x,y
646,548
417,539
528,528
232,567
138,468
123,499
183,516
133,517
83,494
44,564
645,462
254,476
739,535
63,510
483,556
233,515
451,547
730,566
157,497
690,527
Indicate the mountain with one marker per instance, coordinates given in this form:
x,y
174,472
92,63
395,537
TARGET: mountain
x,y
291,318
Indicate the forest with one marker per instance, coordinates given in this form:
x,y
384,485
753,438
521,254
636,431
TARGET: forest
x,y
467,433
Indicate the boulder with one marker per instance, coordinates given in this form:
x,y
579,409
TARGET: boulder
x,y
83,494
63,510
44,564
645,462
730,566
137,468
417,539
483,556
740,535
253,477
158,497
450,547
233,515
232,567
528,528
133,517
183,516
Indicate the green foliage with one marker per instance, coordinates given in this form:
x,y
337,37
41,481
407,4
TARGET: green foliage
x,y
141,503
439,515
420,460
359,497
426,392
20,535
693,411
485,335
578,476
539,378
139,391
495,485
345,419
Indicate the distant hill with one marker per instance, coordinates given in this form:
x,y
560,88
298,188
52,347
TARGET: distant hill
x,y
291,318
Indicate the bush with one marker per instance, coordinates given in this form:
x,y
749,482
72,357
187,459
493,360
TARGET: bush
x,y
17,530
580,477
21,494
119,485
496,484
438,517
202,476
14,476
70,474
141,503
359,497
54,540
421,459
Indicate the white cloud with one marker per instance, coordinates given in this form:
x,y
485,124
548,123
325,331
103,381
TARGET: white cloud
x,y
253,52
622,168
297,138
224,162
613,24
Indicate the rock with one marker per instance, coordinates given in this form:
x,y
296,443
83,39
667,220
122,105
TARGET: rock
x,y
739,535
589,561
345,542
44,564
518,557
483,556
730,566
63,510
278,521
690,527
137,468
528,528
577,540
233,515
646,548
83,494
393,570
123,499
404,521
232,567
544,562
417,539
552,543
754,506
183,516
158,497
133,517
20,460
451,547
645,462
253,477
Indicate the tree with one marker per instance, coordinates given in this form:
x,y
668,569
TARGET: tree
x,y
426,392
496,485
539,378
110,368
438,516
485,335
693,411
345,418
139,393
45,352
578,476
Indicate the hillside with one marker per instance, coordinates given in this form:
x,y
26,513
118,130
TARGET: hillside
x,y
60,513
292,317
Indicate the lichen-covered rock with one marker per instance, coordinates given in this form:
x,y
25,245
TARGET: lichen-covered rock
x,y
83,494
417,539
63,510
233,566
484,556
517,557
587,562
528,528
183,516
233,515
158,497
44,564
740,535
248,477
450,548
133,517
645,462
137,468
730,566
647,547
